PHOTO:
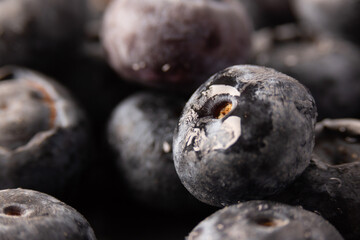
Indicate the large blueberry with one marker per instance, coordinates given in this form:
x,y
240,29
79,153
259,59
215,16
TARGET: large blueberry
x,y
264,220
244,134
175,44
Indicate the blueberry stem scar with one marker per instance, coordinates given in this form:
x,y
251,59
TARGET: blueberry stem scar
x,y
13,211
222,110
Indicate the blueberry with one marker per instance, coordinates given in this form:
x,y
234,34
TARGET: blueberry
x,y
331,183
28,214
264,220
43,133
327,66
32,36
336,17
246,133
141,132
175,44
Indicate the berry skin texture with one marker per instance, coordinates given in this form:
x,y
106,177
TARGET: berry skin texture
x,y
330,185
175,44
32,215
254,149
43,133
264,220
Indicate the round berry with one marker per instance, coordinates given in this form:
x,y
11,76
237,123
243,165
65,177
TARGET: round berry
x,y
246,133
175,44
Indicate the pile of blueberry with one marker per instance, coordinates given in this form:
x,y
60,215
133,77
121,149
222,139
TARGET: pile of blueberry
x,y
180,119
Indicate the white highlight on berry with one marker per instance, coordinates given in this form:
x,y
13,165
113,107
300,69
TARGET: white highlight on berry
x,y
221,89
166,147
165,67
218,135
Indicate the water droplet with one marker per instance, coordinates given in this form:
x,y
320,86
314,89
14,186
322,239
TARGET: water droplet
x,y
166,147
165,67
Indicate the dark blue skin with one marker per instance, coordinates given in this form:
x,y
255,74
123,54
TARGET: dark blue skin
x,y
175,45
261,144
264,220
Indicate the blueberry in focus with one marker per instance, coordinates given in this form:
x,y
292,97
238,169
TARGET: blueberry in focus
x,y
175,44
140,132
327,66
32,36
264,220
246,133
330,185
32,215
43,133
